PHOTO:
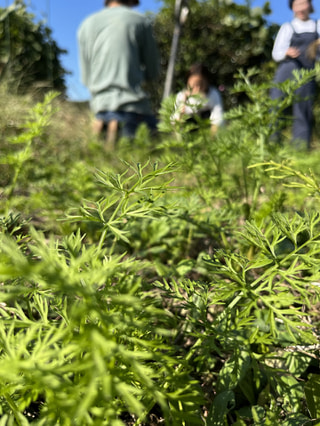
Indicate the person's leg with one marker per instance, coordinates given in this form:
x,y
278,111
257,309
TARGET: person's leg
x,y
128,122
112,122
283,73
97,126
133,120
112,132
152,122
303,116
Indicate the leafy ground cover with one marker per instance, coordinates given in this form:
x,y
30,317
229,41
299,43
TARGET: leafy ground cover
x,y
169,281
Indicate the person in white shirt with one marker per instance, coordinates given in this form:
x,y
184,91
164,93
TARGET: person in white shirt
x,y
290,51
199,98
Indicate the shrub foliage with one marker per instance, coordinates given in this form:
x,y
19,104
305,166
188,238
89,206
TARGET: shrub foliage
x,y
29,57
175,284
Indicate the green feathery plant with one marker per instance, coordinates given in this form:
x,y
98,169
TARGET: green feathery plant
x,y
212,164
83,340
161,303
22,151
254,327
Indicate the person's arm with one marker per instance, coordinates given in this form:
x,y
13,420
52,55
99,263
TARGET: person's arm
x,y
281,48
215,102
179,106
317,55
83,58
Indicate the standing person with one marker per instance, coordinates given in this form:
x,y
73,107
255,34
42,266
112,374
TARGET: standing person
x,y
290,51
199,98
118,53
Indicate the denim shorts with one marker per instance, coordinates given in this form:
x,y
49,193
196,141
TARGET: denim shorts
x,y
128,121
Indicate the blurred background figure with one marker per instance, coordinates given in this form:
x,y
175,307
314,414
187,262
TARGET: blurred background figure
x,y
118,53
290,51
200,98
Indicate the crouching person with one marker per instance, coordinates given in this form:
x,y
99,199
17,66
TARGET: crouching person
x,y
199,100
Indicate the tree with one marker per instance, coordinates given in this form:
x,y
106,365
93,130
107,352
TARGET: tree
x,y
29,57
222,34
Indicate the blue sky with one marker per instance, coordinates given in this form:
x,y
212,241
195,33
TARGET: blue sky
x,y
64,17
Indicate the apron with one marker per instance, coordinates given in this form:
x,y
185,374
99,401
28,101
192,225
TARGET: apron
x,y
302,109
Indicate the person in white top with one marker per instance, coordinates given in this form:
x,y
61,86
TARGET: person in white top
x,y
290,51
199,98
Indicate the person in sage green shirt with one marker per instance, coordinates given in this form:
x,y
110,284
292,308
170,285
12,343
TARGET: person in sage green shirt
x,y
117,53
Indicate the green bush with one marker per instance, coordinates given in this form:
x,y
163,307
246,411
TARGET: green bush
x,y
181,288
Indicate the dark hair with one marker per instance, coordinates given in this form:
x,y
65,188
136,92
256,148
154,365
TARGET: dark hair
x,y
129,3
310,2
199,69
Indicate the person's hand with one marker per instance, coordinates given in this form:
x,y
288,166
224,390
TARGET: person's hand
x,y
313,50
293,52
213,129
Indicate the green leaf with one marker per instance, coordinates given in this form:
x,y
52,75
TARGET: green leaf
x,y
222,404
298,419
312,393
234,370
297,362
